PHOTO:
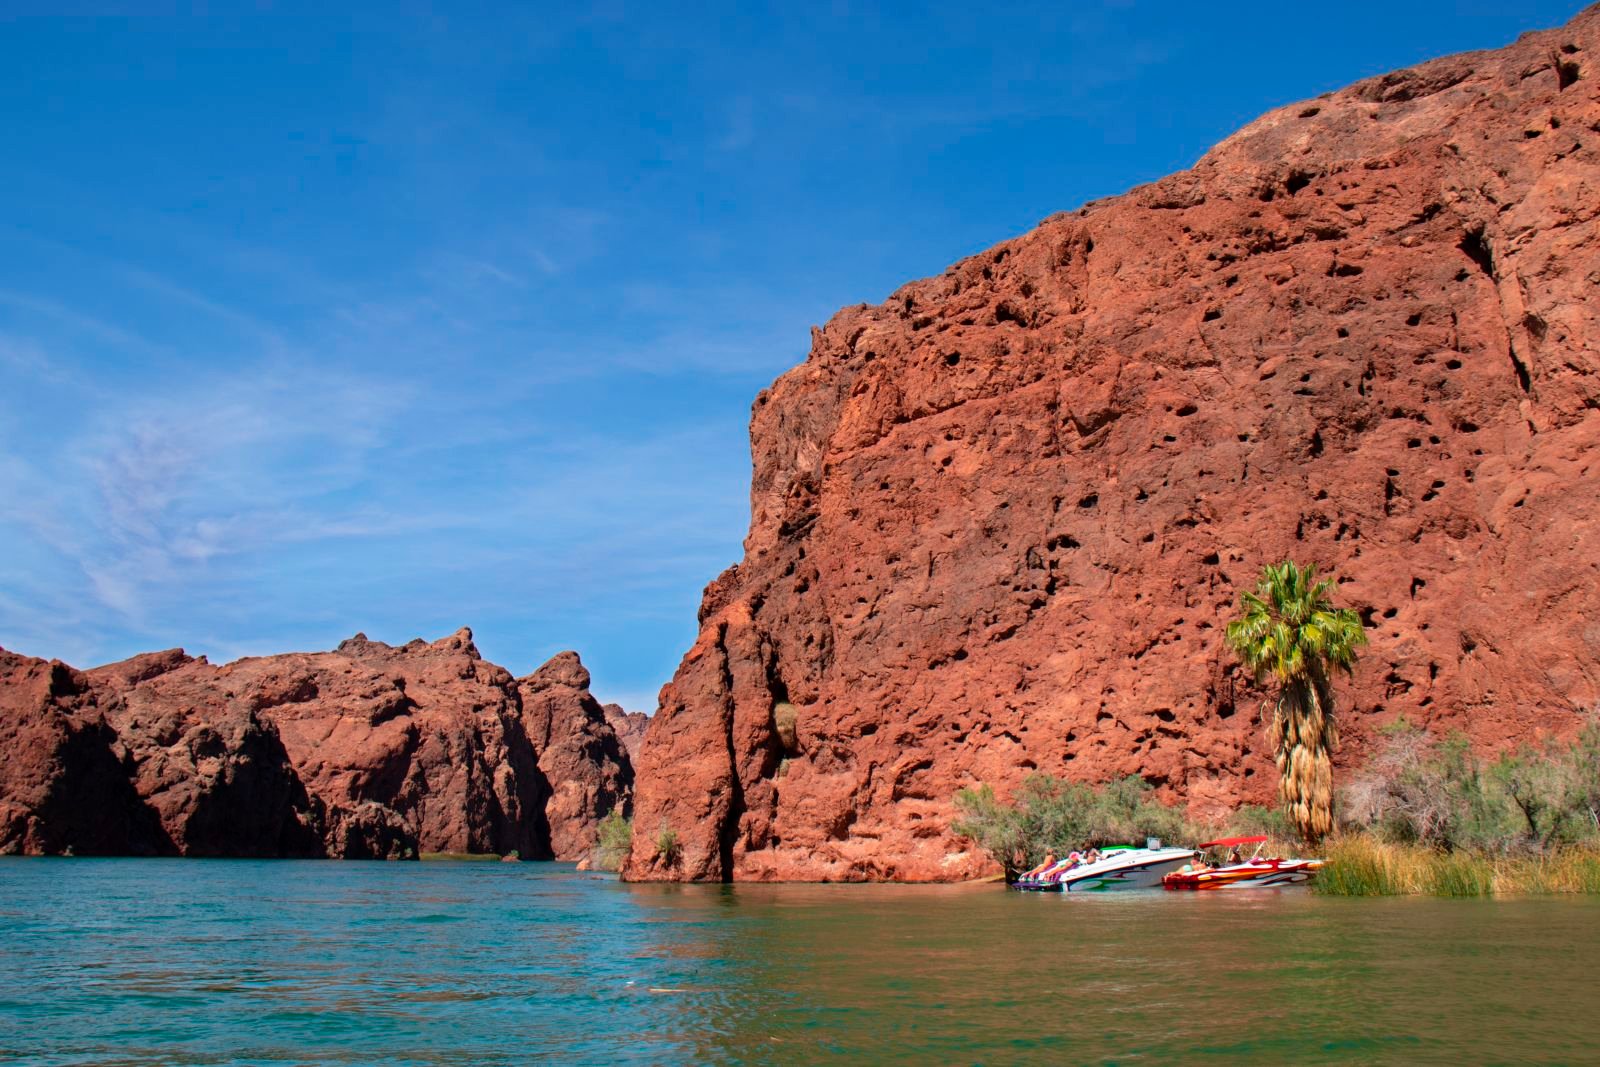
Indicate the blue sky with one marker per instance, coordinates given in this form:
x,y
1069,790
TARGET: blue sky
x,y
401,319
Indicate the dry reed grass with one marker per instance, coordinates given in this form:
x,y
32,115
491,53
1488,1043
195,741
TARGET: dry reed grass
x,y
1362,866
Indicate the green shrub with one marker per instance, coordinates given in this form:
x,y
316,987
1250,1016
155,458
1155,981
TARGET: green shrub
x,y
993,827
1053,815
615,841
1435,793
668,849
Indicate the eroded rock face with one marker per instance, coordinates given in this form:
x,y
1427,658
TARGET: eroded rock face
x,y
368,751
999,521
580,756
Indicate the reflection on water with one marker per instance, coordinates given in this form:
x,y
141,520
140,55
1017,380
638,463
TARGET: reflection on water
x,y
193,961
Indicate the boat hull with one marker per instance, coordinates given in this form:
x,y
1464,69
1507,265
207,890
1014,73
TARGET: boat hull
x,y
1261,874
1135,870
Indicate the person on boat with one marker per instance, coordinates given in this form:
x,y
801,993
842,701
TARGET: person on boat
x,y
1049,861
1235,856
1054,873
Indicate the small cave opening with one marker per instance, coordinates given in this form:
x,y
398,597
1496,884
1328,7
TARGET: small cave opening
x,y
1475,243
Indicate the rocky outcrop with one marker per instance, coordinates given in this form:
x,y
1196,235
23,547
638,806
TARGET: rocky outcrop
x,y
212,769
999,521
580,756
629,726
64,780
368,751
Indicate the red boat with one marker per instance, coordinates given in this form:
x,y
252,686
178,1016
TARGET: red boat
x,y
1238,873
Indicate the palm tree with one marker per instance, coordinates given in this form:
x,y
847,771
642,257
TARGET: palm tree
x,y
1291,633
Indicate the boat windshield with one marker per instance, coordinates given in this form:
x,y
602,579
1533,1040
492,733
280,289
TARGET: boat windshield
x,y
1231,850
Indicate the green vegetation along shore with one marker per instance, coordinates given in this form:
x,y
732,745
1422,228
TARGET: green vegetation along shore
x,y
1425,816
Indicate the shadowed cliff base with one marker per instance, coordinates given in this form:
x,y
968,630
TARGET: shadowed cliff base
x,y
999,520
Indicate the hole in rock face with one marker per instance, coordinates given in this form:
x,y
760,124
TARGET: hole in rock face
x,y
1211,559
1414,319
1187,410
1390,613
1310,112
1089,501
1567,74
1452,364
1417,584
951,359
1297,181
1475,243
1343,332
1212,315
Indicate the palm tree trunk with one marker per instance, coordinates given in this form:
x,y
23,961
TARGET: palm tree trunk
x,y
1302,733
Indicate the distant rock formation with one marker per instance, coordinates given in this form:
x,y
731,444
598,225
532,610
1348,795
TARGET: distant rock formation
x,y
629,727
368,751
999,521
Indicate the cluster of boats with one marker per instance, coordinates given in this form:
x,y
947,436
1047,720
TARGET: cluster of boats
x,y
1152,867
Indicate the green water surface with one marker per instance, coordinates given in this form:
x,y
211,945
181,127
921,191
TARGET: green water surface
x,y
212,962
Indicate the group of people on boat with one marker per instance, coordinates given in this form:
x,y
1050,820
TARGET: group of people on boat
x,y
1051,866
1127,867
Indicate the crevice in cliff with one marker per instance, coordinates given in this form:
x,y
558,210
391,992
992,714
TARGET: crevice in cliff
x,y
1476,245
728,832
1567,71
531,829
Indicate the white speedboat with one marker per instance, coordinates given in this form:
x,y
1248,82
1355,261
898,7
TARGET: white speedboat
x,y
1125,868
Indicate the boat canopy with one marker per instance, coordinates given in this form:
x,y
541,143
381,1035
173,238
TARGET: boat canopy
x,y
1229,842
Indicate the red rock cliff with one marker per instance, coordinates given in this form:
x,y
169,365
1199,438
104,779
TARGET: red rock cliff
x,y
999,521
368,751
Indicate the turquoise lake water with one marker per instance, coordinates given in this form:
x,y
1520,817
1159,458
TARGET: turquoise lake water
x,y
221,961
